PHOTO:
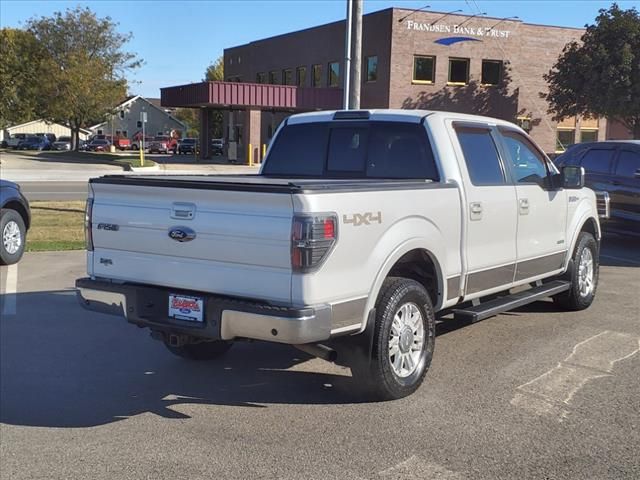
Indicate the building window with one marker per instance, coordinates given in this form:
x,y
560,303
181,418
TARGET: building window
x,y
371,73
565,138
588,135
124,134
261,77
333,79
301,76
273,78
122,114
287,77
458,71
316,79
424,69
100,132
491,72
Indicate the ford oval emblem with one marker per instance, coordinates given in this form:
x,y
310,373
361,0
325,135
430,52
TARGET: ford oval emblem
x,y
182,234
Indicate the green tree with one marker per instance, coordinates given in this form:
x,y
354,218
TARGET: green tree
x,y
85,65
20,57
215,73
601,75
189,116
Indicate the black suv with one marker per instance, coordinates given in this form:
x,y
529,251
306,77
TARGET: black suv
x,y
614,167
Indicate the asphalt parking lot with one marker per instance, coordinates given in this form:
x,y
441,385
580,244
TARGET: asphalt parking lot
x,y
535,393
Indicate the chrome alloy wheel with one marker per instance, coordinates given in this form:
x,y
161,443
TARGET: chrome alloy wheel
x,y
11,237
406,340
585,273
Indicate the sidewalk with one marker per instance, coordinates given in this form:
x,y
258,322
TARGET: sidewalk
x,y
22,168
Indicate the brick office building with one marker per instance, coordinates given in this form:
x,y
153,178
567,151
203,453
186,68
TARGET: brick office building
x,y
427,60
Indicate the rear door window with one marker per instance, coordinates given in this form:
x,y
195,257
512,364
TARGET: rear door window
x,y
391,150
597,160
628,164
481,156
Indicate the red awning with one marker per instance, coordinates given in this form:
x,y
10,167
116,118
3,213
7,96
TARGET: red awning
x,y
260,96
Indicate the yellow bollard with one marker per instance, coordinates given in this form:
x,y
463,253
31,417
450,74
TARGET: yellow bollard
x,y
250,155
264,151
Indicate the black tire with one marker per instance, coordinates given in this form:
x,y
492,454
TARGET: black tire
x,y
573,299
383,382
134,148
201,351
8,216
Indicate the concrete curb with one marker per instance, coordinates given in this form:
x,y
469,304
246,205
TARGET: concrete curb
x,y
154,168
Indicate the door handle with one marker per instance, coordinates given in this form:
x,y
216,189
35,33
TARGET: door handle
x,y
476,210
524,206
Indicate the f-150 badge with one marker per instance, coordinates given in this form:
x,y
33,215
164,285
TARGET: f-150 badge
x,y
358,219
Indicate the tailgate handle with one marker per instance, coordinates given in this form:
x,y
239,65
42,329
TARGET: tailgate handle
x,y
183,211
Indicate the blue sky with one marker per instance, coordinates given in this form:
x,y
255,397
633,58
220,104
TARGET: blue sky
x,y
178,39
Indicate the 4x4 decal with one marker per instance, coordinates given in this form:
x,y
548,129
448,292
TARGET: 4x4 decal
x,y
358,219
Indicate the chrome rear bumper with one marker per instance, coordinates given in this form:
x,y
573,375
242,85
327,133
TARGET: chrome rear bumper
x,y
225,318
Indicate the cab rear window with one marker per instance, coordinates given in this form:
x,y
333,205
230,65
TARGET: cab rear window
x,y
392,150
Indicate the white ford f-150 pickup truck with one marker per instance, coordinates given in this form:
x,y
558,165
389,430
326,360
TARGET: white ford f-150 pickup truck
x,y
360,230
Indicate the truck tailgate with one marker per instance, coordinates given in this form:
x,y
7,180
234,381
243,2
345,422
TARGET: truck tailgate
x,y
241,244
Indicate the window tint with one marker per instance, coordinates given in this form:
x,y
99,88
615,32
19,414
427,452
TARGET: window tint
x,y
459,70
360,150
298,150
528,164
347,149
597,160
424,69
334,74
372,68
481,156
491,72
628,164
398,150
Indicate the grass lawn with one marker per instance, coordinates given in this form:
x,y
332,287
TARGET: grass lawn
x,y
56,226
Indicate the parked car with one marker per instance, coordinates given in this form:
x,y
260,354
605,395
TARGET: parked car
x,y
162,144
354,235
51,137
217,146
613,167
122,143
135,143
98,145
187,145
15,139
15,220
34,142
62,143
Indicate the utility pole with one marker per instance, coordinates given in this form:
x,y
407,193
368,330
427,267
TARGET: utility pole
x,y
356,54
347,57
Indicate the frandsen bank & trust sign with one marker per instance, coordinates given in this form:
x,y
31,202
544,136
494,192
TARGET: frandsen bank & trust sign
x,y
458,29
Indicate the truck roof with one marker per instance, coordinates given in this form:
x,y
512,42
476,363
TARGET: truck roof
x,y
397,115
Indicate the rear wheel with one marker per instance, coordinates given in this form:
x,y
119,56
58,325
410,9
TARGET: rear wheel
x,y
13,236
200,351
583,276
403,340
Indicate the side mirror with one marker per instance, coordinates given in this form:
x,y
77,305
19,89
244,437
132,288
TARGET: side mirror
x,y
572,177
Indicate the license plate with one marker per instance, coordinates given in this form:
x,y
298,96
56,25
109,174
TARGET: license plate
x,y
186,308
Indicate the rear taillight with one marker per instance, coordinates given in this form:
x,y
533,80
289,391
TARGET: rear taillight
x,y
88,235
312,238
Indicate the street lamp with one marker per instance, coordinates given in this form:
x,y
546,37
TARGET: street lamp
x,y
445,15
400,20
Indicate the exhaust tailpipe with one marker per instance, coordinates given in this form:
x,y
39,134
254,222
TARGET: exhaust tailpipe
x,y
319,350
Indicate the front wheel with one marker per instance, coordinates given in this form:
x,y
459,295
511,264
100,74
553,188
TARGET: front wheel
x,y
200,351
403,339
583,276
